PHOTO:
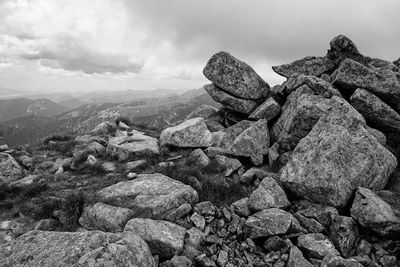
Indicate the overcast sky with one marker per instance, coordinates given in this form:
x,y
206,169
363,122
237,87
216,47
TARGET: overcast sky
x,y
75,45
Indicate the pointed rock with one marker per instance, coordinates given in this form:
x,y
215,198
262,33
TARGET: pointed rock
x,y
268,195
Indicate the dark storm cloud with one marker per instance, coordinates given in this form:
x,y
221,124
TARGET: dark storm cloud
x,y
272,31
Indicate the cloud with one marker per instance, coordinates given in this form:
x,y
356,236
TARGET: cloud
x,y
69,35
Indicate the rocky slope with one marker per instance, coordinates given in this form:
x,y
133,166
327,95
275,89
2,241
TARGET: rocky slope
x,y
300,174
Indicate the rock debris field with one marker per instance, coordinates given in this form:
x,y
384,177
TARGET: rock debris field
x,y
317,157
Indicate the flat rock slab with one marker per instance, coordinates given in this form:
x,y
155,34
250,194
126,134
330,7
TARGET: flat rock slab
x,y
338,155
190,133
92,248
268,222
314,66
267,110
136,145
105,217
164,238
372,212
235,77
149,195
245,106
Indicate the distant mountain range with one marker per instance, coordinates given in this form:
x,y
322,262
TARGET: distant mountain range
x,y
40,118
20,107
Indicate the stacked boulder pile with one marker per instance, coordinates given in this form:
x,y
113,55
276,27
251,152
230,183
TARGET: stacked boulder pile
x,y
317,152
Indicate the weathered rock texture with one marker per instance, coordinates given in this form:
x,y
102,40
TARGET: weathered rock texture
x,y
190,133
149,195
338,155
235,77
10,170
41,248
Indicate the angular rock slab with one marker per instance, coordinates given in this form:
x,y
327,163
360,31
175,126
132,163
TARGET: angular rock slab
x,y
341,48
245,106
10,170
383,83
190,133
252,142
268,195
105,217
316,245
92,248
164,238
314,66
296,258
149,195
235,77
267,110
204,111
135,145
372,212
299,115
268,222
318,85
338,155
375,110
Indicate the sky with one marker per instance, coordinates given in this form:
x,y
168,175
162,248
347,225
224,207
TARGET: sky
x,y
87,45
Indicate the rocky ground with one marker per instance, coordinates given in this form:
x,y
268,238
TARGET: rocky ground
x,y
300,174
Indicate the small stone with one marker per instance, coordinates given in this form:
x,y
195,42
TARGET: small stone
x,y
268,195
204,261
241,207
180,261
222,258
131,175
198,221
344,234
296,258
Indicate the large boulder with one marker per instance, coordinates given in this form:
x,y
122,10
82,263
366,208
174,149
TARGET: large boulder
x,y
91,248
383,83
341,48
314,66
164,238
375,110
135,145
10,170
268,195
235,77
190,133
149,195
338,155
372,212
245,106
316,245
299,114
105,217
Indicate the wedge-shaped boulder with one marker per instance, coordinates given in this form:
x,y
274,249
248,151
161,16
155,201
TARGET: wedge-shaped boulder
x,y
268,222
267,110
341,48
149,195
228,165
268,195
383,83
135,145
372,212
375,110
252,142
245,106
296,258
314,66
91,248
164,238
235,77
105,217
299,114
190,133
230,134
10,170
336,157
